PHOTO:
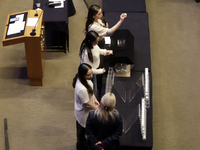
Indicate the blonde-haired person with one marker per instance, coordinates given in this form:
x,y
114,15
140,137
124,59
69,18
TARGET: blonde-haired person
x,y
104,125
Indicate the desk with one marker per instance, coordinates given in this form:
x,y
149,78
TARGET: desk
x,y
56,23
34,45
137,24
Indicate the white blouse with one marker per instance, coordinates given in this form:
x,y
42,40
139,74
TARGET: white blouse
x,y
96,52
81,97
98,27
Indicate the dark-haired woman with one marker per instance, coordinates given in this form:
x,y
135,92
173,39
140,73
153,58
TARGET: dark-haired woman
x,y
94,22
84,101
90,54
104,125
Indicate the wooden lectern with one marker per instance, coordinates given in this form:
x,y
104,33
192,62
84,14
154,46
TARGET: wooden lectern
x,y
33,35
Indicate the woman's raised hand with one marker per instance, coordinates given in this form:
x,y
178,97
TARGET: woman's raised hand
x,y
123,16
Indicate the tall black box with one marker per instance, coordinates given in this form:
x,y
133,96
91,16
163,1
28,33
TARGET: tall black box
x,y
122,44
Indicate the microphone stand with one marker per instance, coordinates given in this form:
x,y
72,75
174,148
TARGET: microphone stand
x,y
33,30
36,13
38,3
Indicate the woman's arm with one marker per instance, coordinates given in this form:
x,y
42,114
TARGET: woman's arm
x,y
90,105
117,25
93,106
106,52
109,52
95,100
98,71
84,96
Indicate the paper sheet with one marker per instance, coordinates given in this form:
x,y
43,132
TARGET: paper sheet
x,y
17,26
32,22
107,40
57,6
21,17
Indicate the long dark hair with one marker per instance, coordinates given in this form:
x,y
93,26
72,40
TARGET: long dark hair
x,y
82,71
93,10
91,36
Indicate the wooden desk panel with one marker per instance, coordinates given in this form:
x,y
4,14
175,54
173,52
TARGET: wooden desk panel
x,y
35,50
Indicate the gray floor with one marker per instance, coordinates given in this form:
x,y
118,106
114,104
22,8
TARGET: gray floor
x,y
41,118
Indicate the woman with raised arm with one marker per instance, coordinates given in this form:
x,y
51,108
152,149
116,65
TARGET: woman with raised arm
x,y
94,22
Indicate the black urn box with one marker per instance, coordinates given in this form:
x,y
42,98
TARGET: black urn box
x,y
122,44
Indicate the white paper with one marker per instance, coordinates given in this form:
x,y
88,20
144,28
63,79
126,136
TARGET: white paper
x,y
57,6
32,22
21,17
13,29
61,5
17,26
107,40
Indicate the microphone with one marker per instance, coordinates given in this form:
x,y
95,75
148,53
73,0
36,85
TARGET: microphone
x,y
38,3
104,21
33,30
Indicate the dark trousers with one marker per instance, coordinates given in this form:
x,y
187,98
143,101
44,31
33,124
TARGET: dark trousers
x,y
81,140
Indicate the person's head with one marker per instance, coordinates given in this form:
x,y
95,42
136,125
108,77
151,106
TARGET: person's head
x,y
90,40
108,101
94,13
84,73
106,108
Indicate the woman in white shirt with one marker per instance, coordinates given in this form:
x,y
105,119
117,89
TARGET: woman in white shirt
x,y
85,101
94,22
90,54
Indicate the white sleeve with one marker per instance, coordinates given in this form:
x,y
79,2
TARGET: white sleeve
x,y
102,31
103,52
84,96
109,31
97,71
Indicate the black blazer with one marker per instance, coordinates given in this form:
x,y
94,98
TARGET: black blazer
x,y
109,133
